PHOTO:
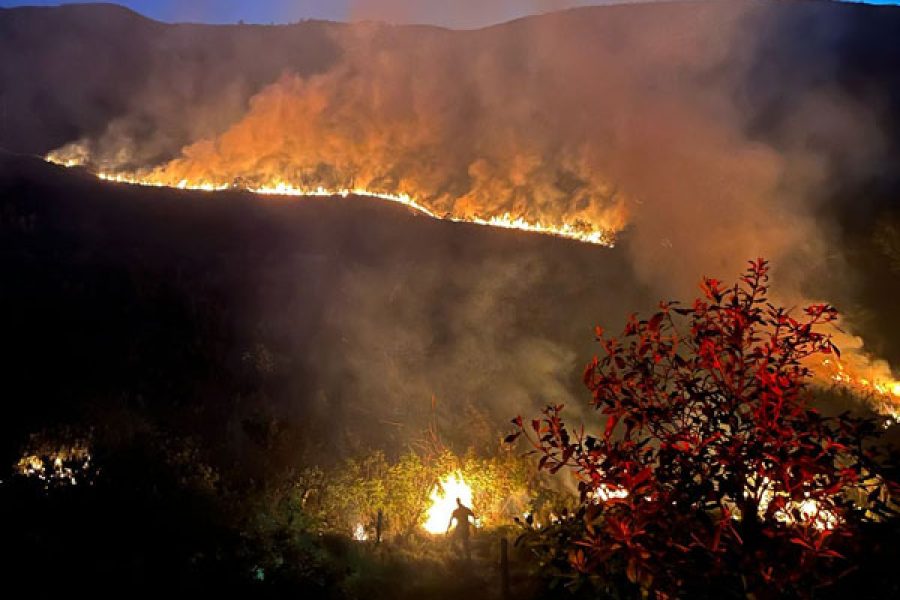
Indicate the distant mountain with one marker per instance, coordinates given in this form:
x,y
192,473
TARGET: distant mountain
x,y
164,298
66,72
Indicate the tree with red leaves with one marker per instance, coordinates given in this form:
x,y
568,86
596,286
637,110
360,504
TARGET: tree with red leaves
x,y
712,475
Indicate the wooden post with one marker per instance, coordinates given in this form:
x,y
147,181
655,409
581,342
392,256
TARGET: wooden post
x,y
504,569
378,526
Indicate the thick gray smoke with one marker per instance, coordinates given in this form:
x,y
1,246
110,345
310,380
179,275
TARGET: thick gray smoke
x,y
660,121
628,117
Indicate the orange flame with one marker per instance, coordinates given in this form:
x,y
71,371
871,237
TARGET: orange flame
x,y
580,232
443,501
882,392
870,379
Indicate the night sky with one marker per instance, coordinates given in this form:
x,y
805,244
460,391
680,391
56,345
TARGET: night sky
x,y
458,13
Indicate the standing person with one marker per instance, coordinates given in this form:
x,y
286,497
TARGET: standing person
x,y
461,515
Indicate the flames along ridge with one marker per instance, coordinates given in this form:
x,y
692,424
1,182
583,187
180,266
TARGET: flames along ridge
x,y
281,188
882,393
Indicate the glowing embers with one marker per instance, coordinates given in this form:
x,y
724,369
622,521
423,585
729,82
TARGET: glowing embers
x,y
63,466
443,501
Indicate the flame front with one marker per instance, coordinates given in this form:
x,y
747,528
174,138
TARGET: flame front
x,y
882,391
443,501
351,131
580,232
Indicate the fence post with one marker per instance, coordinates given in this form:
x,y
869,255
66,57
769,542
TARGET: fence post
x,y
504,569
379,524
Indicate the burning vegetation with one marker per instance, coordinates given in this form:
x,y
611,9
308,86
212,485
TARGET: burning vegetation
x,y
541,126
707,455
579,231
374,498
868,379
54,461
251,372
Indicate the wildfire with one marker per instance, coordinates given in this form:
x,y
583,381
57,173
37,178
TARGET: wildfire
x,y
884,392
443,501
580,232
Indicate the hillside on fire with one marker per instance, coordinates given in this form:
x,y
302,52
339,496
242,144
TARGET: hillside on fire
x,y
594,303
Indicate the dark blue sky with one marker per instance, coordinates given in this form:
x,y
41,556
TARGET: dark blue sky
x,y
453,13
222,11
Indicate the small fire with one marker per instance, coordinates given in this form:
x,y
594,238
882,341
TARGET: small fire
x,y
359,533
809,512
795,512
443,501
63,466
605,493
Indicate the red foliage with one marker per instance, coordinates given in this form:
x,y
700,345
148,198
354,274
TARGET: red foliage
x,y
709,448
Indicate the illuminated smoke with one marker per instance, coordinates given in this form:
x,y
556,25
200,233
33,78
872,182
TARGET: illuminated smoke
x,y
600,122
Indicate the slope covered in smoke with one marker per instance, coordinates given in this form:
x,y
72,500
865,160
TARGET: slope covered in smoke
x,y
340,319
73,70
706,132
608,116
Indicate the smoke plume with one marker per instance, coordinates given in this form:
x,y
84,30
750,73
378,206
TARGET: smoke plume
x,y
647,121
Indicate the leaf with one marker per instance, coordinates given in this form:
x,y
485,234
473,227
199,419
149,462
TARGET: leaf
x,y
641,477
632,571
801,542
708,396
610,425
682,446
512,437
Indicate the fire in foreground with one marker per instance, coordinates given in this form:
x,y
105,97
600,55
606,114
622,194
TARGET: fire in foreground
x,y
443,501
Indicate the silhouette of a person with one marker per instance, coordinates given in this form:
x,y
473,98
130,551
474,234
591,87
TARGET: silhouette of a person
x,y
461,515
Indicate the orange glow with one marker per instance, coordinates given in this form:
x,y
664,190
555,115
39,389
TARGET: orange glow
x,y
443,501
580,232
883,391
870,378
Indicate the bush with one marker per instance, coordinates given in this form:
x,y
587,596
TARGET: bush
x,y
712,475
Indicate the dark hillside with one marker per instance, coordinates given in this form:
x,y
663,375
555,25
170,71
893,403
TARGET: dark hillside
x,y
151,297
